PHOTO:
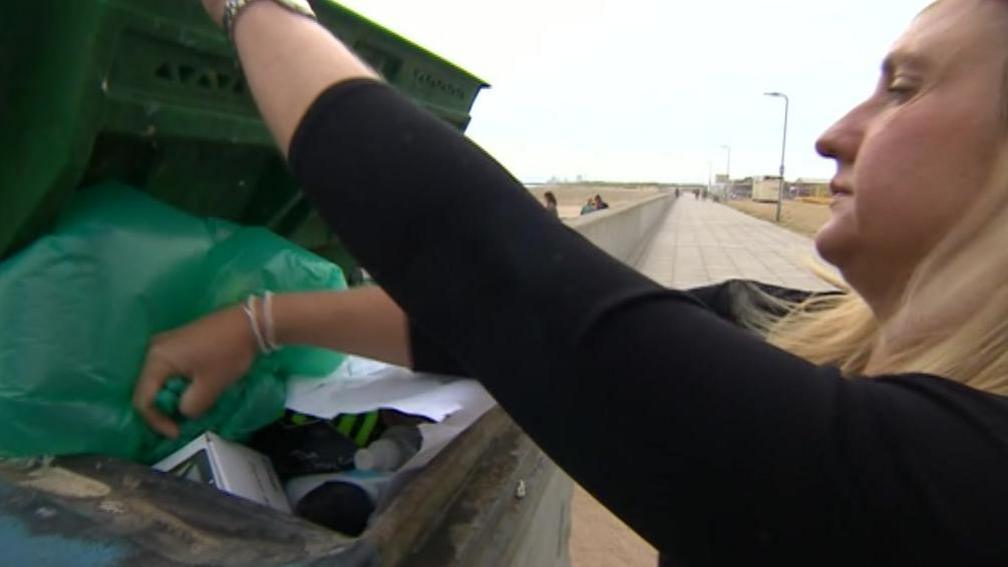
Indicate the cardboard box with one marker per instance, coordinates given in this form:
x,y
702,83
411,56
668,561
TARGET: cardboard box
x,y
229,467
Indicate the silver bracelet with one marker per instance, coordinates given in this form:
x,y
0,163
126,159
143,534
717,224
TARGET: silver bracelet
x,y
250,314
269,330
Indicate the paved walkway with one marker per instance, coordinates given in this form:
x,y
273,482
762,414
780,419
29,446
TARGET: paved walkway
x,y
702,242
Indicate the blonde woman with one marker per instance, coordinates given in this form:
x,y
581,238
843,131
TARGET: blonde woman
x,y
874,432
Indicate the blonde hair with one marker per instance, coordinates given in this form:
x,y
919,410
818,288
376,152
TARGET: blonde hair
x,y
952,320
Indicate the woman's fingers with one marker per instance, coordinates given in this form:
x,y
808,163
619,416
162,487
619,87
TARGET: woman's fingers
x,y
202,394
213,353
155,373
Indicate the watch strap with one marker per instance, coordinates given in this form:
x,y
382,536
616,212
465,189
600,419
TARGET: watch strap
x,y
234,8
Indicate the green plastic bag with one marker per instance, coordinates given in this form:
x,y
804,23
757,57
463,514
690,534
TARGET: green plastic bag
x,y
79,306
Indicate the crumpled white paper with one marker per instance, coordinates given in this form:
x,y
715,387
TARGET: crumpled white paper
x,y
360,385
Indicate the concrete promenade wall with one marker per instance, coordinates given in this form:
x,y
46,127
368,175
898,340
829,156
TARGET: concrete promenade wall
x,y
625,232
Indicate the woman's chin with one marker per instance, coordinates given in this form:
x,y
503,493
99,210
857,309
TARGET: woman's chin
x,y
834,242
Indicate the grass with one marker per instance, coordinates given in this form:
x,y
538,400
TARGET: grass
x,y
803,218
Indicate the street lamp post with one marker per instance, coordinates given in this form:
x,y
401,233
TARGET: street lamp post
x,y
710,169
780,192
727,172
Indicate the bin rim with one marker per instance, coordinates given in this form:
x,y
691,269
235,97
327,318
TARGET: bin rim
x,y
412,44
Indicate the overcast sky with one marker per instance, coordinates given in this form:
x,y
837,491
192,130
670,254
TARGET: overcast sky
x,y
638,90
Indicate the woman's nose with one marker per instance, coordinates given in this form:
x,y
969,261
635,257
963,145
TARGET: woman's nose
x,y
842,140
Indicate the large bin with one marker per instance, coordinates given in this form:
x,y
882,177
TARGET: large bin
x,y
148,92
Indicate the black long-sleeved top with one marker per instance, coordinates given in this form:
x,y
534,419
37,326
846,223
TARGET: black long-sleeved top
x,y
716,447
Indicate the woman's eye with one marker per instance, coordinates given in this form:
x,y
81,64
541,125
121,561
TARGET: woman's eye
x,y
901,89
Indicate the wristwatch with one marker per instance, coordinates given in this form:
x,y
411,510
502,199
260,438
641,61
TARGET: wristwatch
x,y
233,9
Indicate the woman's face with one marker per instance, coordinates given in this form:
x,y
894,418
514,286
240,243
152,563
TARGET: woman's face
x,y
916,154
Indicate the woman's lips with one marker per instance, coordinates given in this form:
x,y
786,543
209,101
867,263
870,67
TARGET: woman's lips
x,y
837,188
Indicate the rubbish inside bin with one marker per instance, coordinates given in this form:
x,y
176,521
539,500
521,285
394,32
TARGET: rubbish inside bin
x,y
343,502
229,467
301,445
440,407
389,452
395,420
80,305
420,414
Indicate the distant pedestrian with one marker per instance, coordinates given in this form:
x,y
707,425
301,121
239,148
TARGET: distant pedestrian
x,y
589,207
599,203
551,203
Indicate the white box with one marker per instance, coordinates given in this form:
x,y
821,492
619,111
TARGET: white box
x,y
229,467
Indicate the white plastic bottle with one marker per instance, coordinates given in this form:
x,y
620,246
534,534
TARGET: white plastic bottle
x,y
396,446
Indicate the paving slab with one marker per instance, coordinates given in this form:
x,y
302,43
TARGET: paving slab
x,y
700,243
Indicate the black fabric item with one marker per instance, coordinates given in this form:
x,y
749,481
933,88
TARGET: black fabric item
x,y
716,447
339,506
299,449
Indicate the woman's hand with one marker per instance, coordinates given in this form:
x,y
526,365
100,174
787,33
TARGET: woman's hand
x,y
213,353
217,350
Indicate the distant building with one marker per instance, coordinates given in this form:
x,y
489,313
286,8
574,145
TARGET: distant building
x,y
740,189
807,187
766,188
